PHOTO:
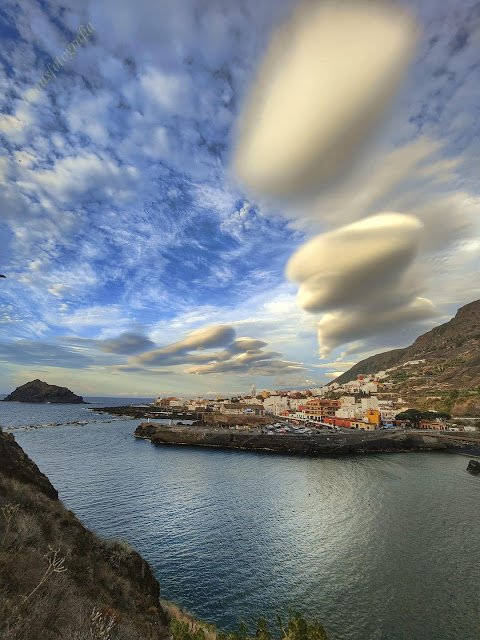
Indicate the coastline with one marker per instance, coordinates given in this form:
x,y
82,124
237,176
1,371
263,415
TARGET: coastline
x,y
313,445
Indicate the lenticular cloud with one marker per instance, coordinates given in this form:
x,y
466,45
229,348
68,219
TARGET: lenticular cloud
x,y
356,263
328,76
362,275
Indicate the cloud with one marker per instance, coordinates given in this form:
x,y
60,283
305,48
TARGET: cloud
x,y
240,355
319,94
176,353
127,343
356,263
30,352
414,178
258,363
362,273
341,327
125,368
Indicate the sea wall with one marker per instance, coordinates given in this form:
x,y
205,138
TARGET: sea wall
x,y
314,445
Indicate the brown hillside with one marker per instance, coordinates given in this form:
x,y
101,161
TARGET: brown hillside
x,y
58,580
453,346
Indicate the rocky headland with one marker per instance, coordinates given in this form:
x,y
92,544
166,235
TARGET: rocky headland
x,y
38,391
309,445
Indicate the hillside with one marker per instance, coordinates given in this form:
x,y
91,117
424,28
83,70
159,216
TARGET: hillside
x,y
38,391
450,376
57,579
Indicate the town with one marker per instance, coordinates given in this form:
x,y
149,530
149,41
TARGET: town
x,y
364,404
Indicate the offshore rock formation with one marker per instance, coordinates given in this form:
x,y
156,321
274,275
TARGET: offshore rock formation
x,y
38,391
58,579
474,466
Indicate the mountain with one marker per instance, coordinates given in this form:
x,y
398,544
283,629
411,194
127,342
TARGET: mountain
x,y
38,391
449,377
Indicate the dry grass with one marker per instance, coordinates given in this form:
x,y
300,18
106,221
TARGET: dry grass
x,y
54,573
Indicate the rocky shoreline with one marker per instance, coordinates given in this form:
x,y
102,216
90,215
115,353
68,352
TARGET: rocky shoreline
x,y
312,445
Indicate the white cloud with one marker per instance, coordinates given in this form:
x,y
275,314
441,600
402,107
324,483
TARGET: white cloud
x,y
321,90
357,263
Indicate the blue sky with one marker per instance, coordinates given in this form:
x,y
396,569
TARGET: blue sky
x,y
123,229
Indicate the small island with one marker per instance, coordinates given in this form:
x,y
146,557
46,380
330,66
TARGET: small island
x,y
38,391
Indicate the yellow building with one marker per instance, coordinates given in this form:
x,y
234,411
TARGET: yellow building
x,y
266,394
366,426
373,416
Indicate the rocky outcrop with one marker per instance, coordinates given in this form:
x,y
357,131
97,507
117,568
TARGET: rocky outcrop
x,y
98,581
38,391
474,466
14,463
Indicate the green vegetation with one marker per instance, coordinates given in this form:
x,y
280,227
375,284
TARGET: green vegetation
x,y
295,628
415,415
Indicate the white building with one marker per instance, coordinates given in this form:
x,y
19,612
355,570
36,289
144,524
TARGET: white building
x,y
369,403
295,403
369,387
274,405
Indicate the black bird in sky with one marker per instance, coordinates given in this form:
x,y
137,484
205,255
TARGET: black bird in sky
x,y
2,276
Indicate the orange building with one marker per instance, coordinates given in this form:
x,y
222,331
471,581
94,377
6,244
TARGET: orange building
x,y
320,408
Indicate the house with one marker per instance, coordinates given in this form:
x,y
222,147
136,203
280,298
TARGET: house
x,y
165,402
363,424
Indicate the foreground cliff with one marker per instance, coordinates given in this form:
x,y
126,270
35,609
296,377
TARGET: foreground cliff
x,y
57,579
314,445
38,391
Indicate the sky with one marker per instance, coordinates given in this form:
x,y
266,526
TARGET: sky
x,y
140,258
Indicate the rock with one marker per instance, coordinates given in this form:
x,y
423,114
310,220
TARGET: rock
x,y
474,466
14,463
38,391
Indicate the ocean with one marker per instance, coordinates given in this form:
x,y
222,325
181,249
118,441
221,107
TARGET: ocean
x,y
378,546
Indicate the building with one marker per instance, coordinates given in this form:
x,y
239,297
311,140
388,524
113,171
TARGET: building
x,y
374,418
318,408
166,402
363,424
275,404
369,403
436,424
241,409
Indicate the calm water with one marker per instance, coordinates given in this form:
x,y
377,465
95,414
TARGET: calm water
x,y
379,547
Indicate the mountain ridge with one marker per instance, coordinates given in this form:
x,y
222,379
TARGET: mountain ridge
x,y
440,370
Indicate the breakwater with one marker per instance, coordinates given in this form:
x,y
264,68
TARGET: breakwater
x,y
299,444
